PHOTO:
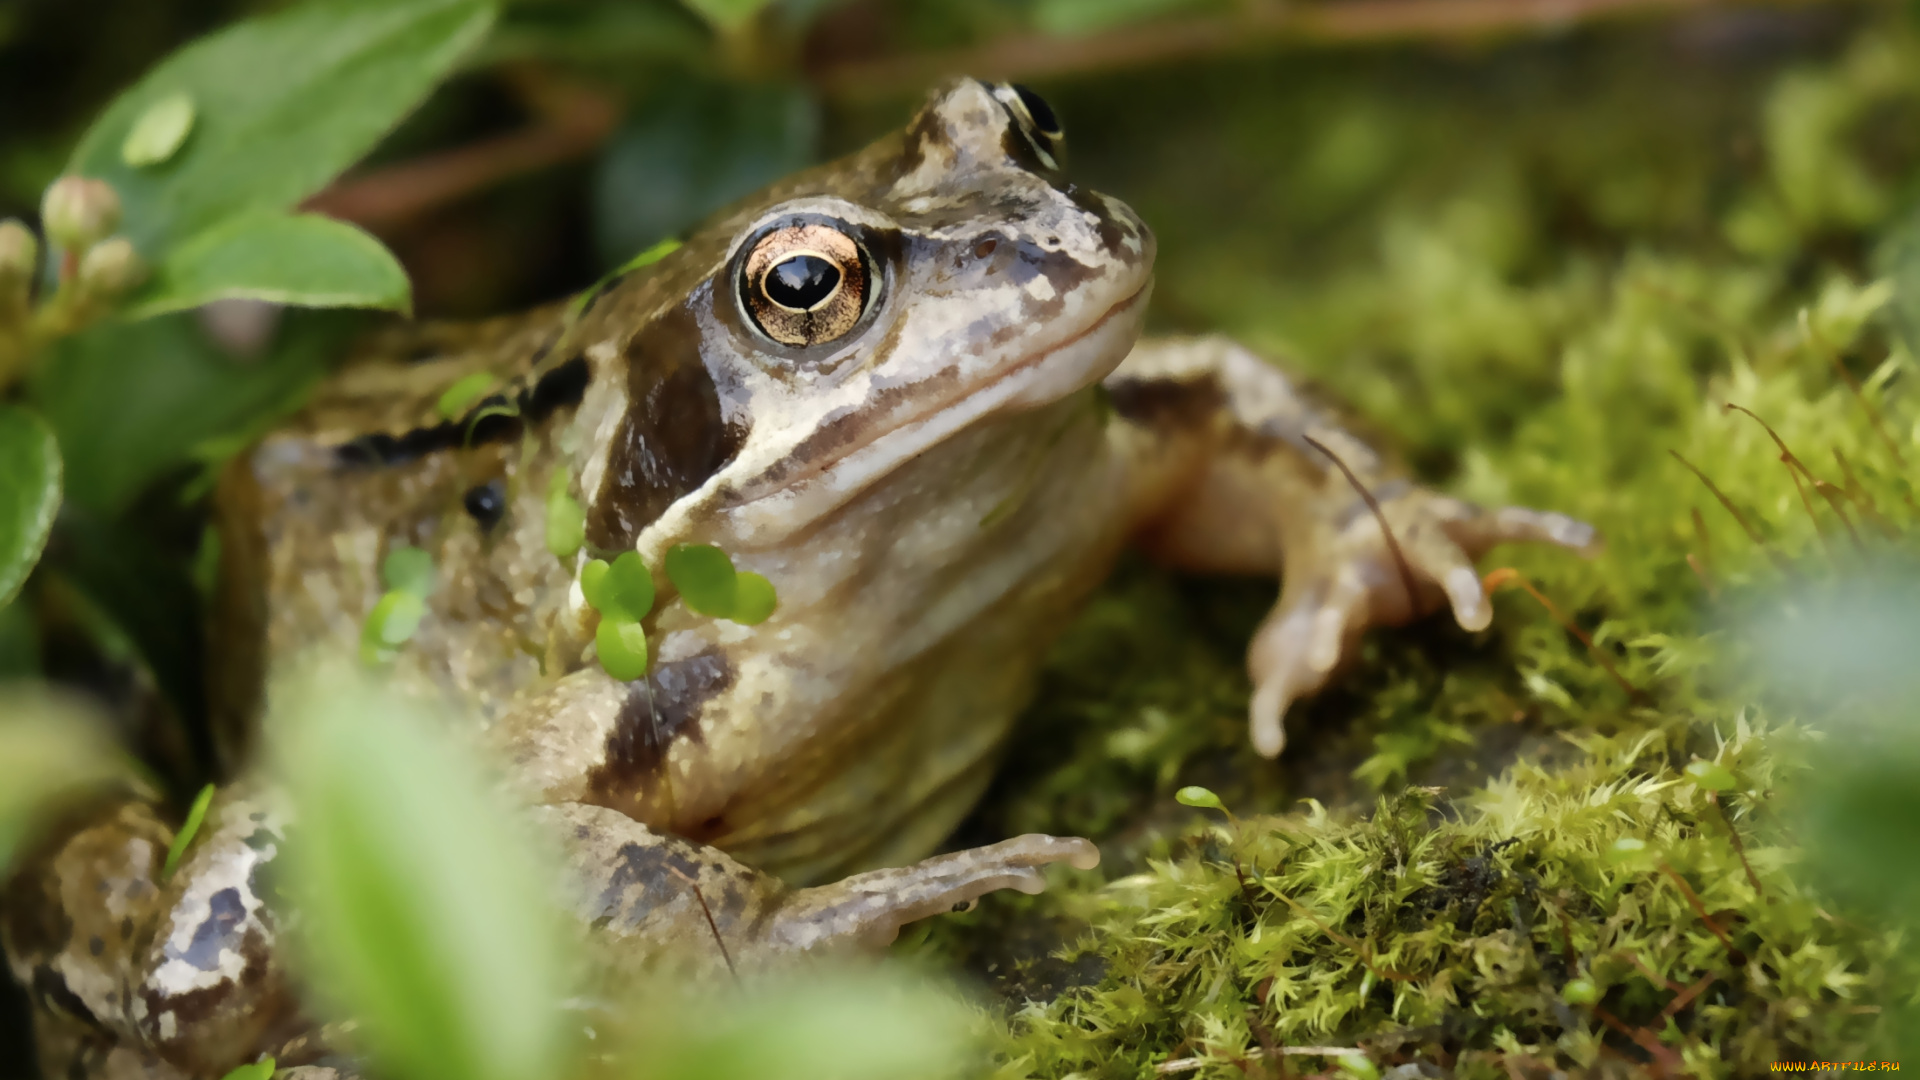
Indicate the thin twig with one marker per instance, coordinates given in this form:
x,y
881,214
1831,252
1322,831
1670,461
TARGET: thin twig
x,y
1647,970
1379,515
1664,1057
711,925
1685,997
1796,468
1779,560
1739,848
1857,492
1693,900
1499,577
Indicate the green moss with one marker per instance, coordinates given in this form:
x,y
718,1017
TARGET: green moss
x,y
1490,876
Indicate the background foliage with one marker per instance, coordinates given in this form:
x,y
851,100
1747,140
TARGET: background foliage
x,y
1533,261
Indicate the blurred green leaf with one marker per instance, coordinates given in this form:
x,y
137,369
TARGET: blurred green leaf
x,y
1711,775
425,912
391,623
566,521
629,33
284,102
130,401
300,259
850,1024
29,494
159,131
50,745
694,149
408,569
1197,796
259,1070
704,575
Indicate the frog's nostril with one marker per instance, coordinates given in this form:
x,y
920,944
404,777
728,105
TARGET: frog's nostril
x,y
985,247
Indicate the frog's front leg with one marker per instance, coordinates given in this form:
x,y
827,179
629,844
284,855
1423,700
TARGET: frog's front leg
x,y
1235,472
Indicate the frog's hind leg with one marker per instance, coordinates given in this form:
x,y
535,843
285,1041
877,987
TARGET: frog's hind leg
x,y
662,903
131,968
1236,471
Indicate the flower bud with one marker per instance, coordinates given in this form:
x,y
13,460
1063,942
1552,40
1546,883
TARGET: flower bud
x,y
110,268
19,254
77,211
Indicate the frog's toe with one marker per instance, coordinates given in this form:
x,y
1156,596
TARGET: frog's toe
x,y
868,910
1519,524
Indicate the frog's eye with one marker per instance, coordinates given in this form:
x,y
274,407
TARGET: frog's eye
x,y
805,284
1036,121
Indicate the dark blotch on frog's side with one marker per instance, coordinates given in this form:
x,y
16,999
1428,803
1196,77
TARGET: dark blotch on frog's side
x,y
674,436
657,711
646,873
562,387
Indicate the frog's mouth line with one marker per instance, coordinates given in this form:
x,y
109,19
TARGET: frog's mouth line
x,y
1042,378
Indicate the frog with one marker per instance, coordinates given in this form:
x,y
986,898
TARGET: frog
x,y
910,389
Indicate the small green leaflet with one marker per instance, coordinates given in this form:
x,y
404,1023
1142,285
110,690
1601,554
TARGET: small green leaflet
x,y
409,569
711,586
457,398
407,572
622,645
258,1070
622,589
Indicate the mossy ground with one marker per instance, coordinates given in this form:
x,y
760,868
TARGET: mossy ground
x,y
1534,273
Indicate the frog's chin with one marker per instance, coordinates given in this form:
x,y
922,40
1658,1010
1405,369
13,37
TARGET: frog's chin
x,y
1035,381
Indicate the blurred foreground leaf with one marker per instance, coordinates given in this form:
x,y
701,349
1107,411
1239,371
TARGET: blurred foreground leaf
x,y
300,259
29,494
131,401
281,104
424,908
855,1024
50,745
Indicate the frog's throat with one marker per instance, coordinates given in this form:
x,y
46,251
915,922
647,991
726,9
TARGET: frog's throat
x,y
1037,380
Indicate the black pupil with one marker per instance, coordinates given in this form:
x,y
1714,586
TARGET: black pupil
x,y
1038,108
802,281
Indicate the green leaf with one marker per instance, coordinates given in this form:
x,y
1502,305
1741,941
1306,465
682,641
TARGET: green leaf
x,y
131,401
622,645
849,1024
196,815
566,522
727,14
50,745
620,590
455,401
159,131
284,102
1199,797
425,909
390,625
1579,992
408,569
704,575
303,260
29,494
753,598
258,1070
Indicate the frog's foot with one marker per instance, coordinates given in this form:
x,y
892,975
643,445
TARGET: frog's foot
x,y
869,909
1349,575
